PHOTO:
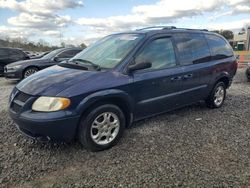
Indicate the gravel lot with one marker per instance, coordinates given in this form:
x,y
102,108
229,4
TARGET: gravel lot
x,y
194,146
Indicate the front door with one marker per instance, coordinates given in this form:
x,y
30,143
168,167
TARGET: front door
x,y
156,89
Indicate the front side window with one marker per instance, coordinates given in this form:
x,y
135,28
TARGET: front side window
x,y
160,53
68,53
109,51
219,47
52,54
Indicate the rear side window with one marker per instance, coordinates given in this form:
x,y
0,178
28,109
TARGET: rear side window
x,y
3,53
219,47
192,48
16,54
159,52
184,45
200,49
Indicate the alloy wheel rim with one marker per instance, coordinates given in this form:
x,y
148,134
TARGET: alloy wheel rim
x,y
105,128
29,72
219,96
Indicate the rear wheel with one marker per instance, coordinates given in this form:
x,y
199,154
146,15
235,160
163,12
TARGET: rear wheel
x,y
29,71
102,128
217,96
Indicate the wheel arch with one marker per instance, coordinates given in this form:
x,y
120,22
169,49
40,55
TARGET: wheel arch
x,y
28,67
225,78
115,97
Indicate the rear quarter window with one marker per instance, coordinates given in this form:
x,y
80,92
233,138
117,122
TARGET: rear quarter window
x,y
219,47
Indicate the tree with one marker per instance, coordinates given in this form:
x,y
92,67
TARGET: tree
x,y
83,45
228,34
216,31
63,44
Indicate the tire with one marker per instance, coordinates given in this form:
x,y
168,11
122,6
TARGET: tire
x,y
248,73
29,71
96,133
217,96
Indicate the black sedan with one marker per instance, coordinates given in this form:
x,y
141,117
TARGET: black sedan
x,y
10,55
23,69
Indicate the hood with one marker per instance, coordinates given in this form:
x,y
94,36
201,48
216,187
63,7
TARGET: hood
x,y
53,80
24,62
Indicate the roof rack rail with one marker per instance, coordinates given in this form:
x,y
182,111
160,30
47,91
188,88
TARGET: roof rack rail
x,y
194,29
157,27
168,27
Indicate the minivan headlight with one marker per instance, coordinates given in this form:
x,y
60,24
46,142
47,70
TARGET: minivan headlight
x,y
50,104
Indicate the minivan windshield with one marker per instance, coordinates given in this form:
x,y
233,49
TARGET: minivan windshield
x,y
109,51
51,54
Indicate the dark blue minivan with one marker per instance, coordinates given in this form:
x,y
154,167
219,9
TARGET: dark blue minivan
x,y
120,79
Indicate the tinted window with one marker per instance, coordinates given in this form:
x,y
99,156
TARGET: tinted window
x,y
16,54
159,52
219,47
200,49
68,53
3,52
184,45
52,54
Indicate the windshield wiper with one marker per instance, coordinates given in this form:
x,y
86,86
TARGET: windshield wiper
x,y
97,67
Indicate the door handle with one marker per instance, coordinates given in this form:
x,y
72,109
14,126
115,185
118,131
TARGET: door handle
x,y
187,76
176,78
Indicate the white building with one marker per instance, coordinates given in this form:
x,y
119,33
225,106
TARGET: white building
x,y
242,40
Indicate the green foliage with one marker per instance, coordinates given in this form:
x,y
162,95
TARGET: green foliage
x,y
83,45
41,46
225,33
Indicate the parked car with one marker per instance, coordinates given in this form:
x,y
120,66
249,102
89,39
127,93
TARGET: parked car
x,y
248,72
23,69
9,55
120,79
41,55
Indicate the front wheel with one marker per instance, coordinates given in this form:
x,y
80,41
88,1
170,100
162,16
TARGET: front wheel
x,y
217,96
102,128
29,71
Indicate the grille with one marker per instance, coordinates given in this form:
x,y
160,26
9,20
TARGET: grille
x,y
23,97
16,107
19,101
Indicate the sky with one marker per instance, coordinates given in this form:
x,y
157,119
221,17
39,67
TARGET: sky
x,y
85,21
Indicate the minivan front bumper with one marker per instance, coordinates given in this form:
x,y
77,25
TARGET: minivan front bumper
x,y
58,126
58,129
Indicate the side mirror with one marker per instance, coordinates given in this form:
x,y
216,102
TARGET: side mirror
x,y
139,66
59,59
56,59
